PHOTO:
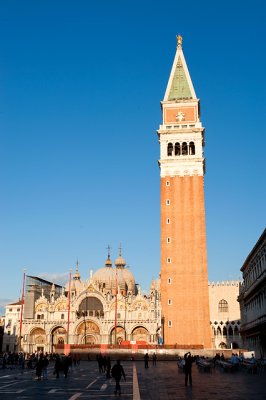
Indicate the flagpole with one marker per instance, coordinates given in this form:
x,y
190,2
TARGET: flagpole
x,y
68,311
115,304
21,309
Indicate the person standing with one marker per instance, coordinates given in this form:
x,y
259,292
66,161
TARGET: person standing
x,y
117,372
188,368
39,367
108,367
57,365
45,364
146,360
154,359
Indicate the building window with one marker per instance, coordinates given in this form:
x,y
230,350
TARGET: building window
x,y
169,260
169,302
168,202
10,310
184,149
167,183
170,323
223,306
191,148
62,316
177,149
169,281
168,221
170,148
168,240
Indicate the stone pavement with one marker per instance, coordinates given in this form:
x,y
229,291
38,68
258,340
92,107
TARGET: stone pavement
x,y
166,382
161,382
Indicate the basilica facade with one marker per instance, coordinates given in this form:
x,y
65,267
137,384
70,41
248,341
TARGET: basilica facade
x,y
108,308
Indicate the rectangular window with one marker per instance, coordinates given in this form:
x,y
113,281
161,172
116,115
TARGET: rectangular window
x,y
169,302
62,316
167,183
169,281
168,202
170,323
168,240
168,221
169,260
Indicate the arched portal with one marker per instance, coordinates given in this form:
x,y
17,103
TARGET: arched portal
x,y
140,334
117,335
58,336
37,340
88,332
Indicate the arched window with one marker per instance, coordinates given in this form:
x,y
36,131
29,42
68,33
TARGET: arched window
x,y
184,149
177,149
192,148
223,306
230,331
169,149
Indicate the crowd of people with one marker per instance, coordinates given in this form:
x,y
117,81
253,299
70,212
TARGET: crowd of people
x,y
39,362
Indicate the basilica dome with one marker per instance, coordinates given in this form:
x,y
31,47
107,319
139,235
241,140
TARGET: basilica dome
x,y
109,278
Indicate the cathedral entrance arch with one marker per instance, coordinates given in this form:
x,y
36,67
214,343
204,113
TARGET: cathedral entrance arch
x,y
58,336
117,335
140,334
37,340
88,332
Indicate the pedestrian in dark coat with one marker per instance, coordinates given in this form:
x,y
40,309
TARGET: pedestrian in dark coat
x,y
146,360
117,373
57,365
39,367
188,367
108,367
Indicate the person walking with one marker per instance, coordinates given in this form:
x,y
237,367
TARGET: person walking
x,y
117,372
188,367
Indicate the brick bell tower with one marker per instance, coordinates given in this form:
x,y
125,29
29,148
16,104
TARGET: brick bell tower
x,y
184,275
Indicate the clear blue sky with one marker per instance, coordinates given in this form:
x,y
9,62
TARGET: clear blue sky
x,y
80,90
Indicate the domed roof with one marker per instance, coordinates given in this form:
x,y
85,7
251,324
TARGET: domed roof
x,y
105,275
129,278
109,277
120,262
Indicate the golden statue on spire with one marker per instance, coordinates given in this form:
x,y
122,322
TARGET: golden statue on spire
x,y
179,40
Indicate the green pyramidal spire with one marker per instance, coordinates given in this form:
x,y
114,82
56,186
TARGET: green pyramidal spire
x,y
180,87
